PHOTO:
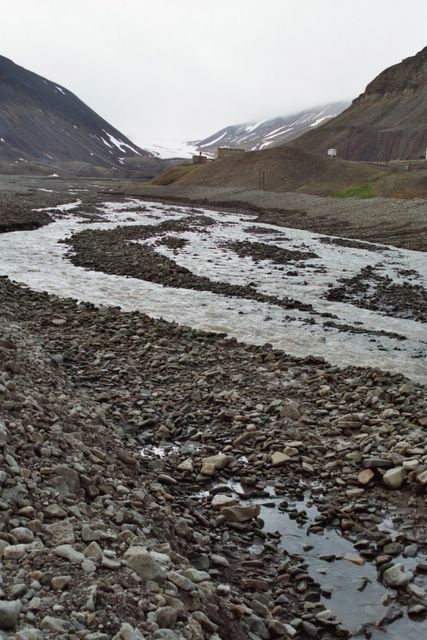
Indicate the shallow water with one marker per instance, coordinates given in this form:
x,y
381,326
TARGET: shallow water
x,y
355,596
37,259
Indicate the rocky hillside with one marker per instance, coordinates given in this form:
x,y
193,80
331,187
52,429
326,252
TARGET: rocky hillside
x,y
387,122
253,136
44,128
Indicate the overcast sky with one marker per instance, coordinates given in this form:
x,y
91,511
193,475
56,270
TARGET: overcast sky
x,y
169,70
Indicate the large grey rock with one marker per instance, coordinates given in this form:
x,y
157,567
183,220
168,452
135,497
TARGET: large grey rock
x,y
54,625
166,617
393,478
213,464
15,551
127,632
61,532
66,480
395,576
23,534
241,513
68,552
278,458
9,613
142,562
181,581
29,633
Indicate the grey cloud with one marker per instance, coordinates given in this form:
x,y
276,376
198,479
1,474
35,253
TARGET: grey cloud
x,y
168,70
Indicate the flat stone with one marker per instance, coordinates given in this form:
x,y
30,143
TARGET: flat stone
x,y
30,633
212,464
354,558
59,322
15,551
354,492
422,477
195,575
220,500
365,477
241,513
181,581
68,552
219,560
291,451
278,458
61,532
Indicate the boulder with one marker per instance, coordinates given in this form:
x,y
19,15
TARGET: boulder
x,y
241,513
9,613
142,562
393,478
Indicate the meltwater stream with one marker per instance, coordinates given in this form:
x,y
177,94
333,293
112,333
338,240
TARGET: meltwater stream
x,y
37,259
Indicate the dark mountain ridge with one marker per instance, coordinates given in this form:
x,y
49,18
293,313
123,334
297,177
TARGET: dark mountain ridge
x,y
388,121
44,128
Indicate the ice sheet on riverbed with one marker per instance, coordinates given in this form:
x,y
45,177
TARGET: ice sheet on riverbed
x,y
37,259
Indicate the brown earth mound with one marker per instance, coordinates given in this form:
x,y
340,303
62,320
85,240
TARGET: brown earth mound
x,y
281,169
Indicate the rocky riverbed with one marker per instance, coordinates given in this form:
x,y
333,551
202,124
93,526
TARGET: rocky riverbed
x,y
159,481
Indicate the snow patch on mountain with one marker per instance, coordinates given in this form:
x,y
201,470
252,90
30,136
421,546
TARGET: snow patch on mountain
x,y
256,135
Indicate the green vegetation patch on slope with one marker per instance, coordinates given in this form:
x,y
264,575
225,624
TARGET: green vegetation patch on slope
x,y
357,191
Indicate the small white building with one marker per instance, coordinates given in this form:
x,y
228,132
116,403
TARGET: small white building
x,y
332,153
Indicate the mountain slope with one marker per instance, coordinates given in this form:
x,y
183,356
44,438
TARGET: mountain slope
x,y
46,126
386,122
253,136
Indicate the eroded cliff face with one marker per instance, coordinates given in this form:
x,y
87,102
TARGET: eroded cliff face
x,y
406,78
386,122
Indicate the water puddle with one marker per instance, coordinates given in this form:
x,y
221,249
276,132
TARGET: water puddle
x,y
348,582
